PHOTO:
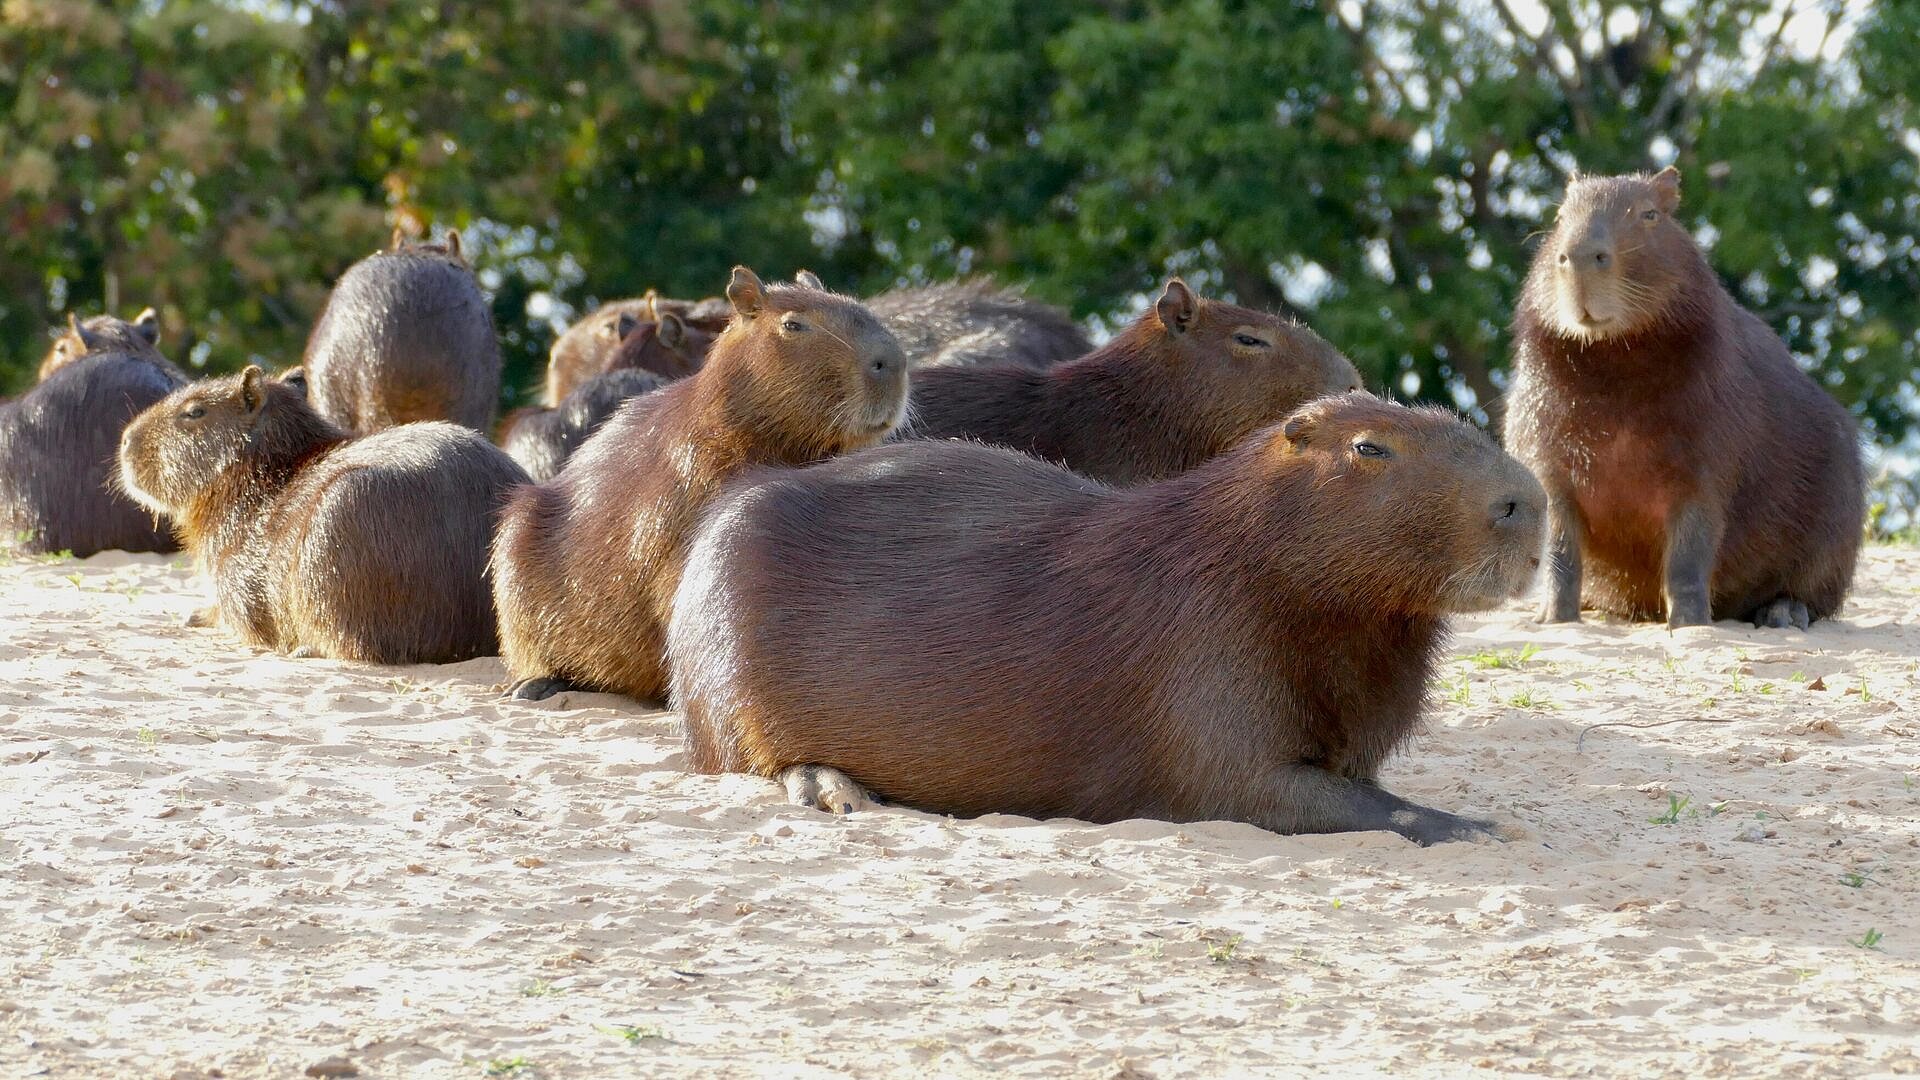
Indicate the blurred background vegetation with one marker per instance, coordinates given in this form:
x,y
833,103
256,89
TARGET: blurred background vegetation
x,y
1376,167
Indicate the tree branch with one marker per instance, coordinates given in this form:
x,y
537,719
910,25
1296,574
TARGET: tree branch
x,y
1577,97
1681,82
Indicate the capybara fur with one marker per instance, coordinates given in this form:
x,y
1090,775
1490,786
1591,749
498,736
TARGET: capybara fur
x,y
1183,383
1692,470
406,336
371,549
541,439
106,334
586,564
57,444
969,630
975,322
587,347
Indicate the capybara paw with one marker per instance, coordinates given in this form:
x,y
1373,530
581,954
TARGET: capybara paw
x,y
201,618
1430,827
538,688
824,787
1551,612
1680,617
306,652
1783,613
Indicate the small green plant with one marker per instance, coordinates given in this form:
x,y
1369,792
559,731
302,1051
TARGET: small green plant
x,y
540,988
1869,940
1528,699
1457,691
1222,951
633,1033
1152,950
513,1066
1855,879
1865,694
1502,658
1716,809
1676,805
1736,686
147,735
1805,973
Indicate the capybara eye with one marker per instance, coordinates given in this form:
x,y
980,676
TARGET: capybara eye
x,y
193,412
1649,215
793,326
1367,449
1248,340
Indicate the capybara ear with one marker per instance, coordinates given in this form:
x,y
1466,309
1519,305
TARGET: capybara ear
x,y
807,279
745,292
79,331
253,390
1176,307
622,326
147,325
399,239
672,332
652,300
1298,429
453,245
1666,188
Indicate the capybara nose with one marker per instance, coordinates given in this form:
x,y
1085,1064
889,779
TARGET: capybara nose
x,y
1514,511
1588,256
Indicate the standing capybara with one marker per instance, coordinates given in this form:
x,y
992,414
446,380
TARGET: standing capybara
x,y
57,443
407,335
106,334
968,630
1183,383
586,564
1692,470
371,549
970,323
541,439
587,347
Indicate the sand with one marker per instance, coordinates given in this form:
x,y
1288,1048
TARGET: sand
x,y
219,862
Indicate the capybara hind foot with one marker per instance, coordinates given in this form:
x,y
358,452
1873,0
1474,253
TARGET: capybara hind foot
x,y
201,618
1782,613
539,688
824,787
1427,827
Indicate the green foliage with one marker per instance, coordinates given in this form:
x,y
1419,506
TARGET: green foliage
x,y
1378,168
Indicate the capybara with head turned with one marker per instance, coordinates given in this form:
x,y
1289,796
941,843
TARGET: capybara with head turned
x,y
371,549
407,335
1183,383
1692,469
969,630
585,565
541,439
106,334
974,322
588,347
57,443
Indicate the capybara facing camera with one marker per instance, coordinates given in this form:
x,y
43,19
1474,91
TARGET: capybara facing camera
x,y
370,549
969,630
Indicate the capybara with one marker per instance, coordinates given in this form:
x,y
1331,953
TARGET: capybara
x,y
371,549
1692,469
969,630
586,564
1183,383
106,334
969,323
541,439
57,443
587,347
407,335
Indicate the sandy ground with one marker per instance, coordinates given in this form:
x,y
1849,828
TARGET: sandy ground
x,y
223,863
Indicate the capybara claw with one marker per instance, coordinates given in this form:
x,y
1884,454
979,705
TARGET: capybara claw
x,y
824,787
538,688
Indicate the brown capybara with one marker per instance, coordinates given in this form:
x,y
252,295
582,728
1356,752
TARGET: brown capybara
x,y
1183,383
407,335
969,630
975,322
586,564
541,439
1692,469
57,443
587,347
106,334
371,549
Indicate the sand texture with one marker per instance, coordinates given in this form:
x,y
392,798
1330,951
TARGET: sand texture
x,y
218,862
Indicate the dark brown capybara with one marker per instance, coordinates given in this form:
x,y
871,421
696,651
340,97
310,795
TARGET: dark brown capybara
x,y
969,630
586,564
1185,382
106,334
57,444
1692,469
541,439
974,322
371,549
407,335
587,347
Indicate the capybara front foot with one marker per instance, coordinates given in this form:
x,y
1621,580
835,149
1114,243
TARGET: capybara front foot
x,y
1783,613
201,618
1681,614
1558,611
539,688
1429,827
824,787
